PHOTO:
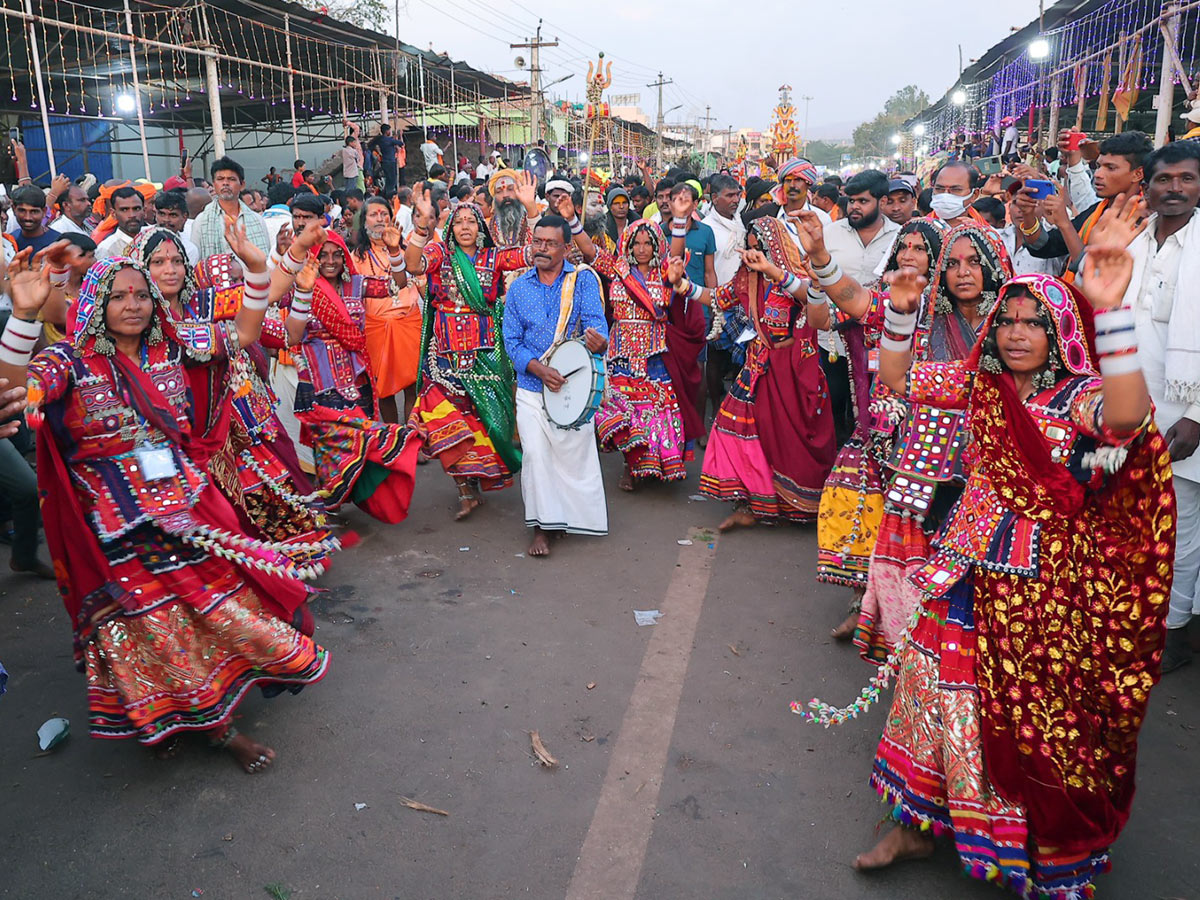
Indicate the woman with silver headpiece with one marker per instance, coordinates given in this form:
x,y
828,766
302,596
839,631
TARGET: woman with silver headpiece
x,y
176,611
465,409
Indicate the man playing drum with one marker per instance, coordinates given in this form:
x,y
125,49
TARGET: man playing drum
x,y
560,475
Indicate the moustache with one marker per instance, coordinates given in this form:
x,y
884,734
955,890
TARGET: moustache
x,y
1174,198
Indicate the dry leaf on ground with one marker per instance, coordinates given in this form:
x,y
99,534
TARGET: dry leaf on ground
x,y
421,807
540,751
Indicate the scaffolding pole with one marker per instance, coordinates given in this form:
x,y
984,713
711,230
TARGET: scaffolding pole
x,y
424,120
1166,83
137,90
287,42
41,90
453,117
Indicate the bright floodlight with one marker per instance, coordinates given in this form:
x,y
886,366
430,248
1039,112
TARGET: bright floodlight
x,y
583,157
1039,49
896,155
895,139
126,103
959,97
919,129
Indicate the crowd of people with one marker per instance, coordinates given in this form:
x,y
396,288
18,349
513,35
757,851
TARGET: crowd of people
x,y
984,394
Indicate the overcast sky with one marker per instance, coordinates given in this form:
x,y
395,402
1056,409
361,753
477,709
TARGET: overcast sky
x,y
729,54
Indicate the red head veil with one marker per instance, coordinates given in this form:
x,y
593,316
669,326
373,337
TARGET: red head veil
x,y
1066,658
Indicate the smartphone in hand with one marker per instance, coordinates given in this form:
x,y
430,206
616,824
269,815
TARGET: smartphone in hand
x,y
1039,188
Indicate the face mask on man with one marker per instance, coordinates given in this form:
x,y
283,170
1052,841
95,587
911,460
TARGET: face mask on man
x,y
948,206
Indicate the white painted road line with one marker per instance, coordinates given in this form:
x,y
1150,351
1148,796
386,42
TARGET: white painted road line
x,y
610,862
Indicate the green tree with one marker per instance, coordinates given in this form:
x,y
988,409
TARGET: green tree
x,y
826,153
371,14
873,138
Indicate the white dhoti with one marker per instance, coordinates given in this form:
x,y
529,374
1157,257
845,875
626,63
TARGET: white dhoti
x,y
284,382
1185,598
560,472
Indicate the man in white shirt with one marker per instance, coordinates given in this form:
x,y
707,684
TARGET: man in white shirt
x,y
170,212
430,152
483,170
863,237
857,243
404,214
74,207
127,208
1164,294
352,163
727,226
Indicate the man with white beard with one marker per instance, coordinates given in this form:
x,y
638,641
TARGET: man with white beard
x,y
509,225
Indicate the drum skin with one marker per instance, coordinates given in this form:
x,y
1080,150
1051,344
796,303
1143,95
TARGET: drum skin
x,y
576,402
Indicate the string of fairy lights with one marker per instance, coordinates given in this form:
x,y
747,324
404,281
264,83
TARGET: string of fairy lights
x,y
86,70
1118,45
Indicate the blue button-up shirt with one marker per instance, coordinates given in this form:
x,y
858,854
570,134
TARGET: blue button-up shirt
x,y
531,314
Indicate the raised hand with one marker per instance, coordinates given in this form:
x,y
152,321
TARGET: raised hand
x,y
251,255
566,208
1123,221
311,237
28,283
527,191
423,213
59,185
1026,205
62,255
676,268
812,235
682,205
391,239
1106,271
757,261
307,277
905,287
283,239
1053,208
1024,172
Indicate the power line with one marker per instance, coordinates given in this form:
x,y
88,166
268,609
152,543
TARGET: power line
x,y
461,22
562,30
489,20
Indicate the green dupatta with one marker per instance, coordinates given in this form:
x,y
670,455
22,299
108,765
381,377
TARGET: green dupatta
x,y
491,382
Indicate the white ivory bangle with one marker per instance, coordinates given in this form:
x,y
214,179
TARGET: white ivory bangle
x,y
894,345
18,340
898,322
833,277
290,264
1114,319
1125,364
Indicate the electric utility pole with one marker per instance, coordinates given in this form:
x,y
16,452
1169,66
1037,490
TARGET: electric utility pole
x,y
535,82
659,122
804,144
